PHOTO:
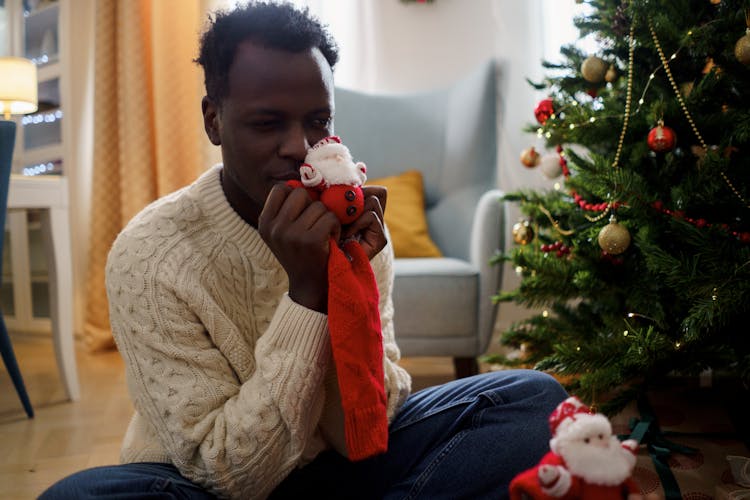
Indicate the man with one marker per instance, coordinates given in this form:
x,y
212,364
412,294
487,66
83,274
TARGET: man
x,y
218,302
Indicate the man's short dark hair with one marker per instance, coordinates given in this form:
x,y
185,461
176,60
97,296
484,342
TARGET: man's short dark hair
x,y
273,25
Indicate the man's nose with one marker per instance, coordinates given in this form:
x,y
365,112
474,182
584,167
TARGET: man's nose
x,y
294,143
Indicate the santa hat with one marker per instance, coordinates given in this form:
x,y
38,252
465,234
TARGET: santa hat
x,y
571,416
572,419
331,139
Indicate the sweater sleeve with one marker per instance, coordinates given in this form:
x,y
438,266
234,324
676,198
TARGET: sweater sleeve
x,y
236,430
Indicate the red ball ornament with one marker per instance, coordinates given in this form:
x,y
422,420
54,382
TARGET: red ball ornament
x,y
661,138
544,110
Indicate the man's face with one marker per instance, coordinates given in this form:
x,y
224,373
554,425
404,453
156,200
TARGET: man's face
x,y
278,104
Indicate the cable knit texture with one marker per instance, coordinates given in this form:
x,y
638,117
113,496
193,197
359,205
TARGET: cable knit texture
x,y
231,380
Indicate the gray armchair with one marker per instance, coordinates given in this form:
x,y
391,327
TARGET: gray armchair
x,y
443,306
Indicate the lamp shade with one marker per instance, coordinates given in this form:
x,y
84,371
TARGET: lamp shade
x,y
18,87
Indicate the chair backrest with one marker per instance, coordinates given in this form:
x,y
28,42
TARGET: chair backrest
x,y
449,134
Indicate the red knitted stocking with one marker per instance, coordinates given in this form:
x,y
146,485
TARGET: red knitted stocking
x,y
356,340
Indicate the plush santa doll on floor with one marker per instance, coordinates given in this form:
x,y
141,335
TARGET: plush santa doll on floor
x,y
585,462
331,175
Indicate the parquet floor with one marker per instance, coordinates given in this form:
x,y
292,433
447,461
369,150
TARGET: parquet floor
x,y
65,437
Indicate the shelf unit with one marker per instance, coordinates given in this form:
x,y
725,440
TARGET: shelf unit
x,y
34,29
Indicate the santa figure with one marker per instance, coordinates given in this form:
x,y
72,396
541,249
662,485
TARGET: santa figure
x,y
330,174
585,460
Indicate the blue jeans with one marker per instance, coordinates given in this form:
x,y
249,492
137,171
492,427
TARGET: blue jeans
x,y
464,439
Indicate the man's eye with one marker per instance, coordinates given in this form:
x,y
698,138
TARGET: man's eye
x,y
322,122
586,440
264,124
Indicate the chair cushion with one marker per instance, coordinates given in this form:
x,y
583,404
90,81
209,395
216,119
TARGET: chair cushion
x,y
405,217
436,298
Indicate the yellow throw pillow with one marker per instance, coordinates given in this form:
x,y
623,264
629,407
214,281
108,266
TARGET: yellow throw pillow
x,y
405,217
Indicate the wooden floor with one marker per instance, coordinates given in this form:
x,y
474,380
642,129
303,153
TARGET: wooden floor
x,y
65,437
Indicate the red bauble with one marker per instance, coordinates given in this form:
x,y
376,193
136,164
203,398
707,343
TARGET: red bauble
x,y
661,138
544,110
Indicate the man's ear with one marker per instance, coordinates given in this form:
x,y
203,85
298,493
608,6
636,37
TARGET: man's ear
x,y
211,120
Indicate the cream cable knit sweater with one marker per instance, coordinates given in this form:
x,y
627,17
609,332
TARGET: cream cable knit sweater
x,y
231,380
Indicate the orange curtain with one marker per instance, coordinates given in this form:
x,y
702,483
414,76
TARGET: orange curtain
x,y
148,130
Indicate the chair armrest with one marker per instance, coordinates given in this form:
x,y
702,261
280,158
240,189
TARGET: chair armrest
x,y
487,238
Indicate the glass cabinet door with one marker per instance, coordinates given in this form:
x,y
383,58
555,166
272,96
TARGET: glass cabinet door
x,y
41,31
32,29
4,30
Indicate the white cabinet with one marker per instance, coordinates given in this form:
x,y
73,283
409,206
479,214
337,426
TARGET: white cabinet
x,y
34,29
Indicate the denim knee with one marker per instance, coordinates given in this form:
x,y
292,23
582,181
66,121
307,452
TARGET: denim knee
x,y
518,385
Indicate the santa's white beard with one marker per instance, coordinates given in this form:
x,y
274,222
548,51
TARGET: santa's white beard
x,y
608,466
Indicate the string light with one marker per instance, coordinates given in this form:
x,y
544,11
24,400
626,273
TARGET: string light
x,y
41,168
38,118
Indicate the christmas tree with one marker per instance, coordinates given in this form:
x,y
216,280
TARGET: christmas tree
x,y
639,260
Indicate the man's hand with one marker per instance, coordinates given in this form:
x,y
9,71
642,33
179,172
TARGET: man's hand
x,y
298,232
370,226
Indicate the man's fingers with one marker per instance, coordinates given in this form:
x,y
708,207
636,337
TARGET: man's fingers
x,y
297,200
273,204
368,221
380,192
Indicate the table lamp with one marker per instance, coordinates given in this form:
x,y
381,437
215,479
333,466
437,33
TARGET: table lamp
x,y
18,96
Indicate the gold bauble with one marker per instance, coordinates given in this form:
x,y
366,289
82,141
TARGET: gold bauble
x,y
742,49
522,232
530,157
593,69
611,74
614,238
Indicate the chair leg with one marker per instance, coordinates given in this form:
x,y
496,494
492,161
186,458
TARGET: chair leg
x,y
465,367
9,358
